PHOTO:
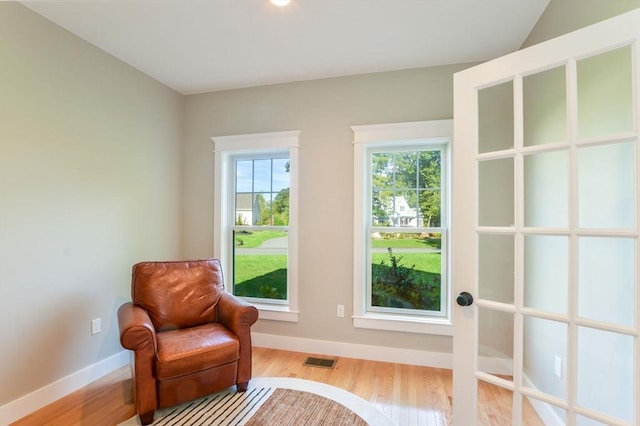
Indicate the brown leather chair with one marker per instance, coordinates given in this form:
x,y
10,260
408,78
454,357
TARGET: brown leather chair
x,y
189,336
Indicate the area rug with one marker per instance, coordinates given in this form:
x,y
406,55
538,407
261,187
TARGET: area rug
x,y
278,401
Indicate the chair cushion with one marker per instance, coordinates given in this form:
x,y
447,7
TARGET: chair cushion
x,y
178,294
189,350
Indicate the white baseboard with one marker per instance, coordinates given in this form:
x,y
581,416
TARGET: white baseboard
x,y
375,353
353,350
37,399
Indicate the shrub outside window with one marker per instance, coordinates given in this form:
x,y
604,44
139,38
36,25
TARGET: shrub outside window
x,y
405,235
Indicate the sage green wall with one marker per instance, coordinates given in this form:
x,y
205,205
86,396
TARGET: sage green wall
x,y
322,110
563,16
90,178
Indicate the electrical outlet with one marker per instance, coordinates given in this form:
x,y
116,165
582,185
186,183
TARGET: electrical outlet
x,y
340,312
96,326
558,367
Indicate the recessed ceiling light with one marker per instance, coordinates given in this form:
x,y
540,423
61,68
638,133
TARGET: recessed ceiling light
x,y
281,3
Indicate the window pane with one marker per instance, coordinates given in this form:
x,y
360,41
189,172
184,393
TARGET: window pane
x,y
430,169
405,171
406,270
280,174
262,209
406,188
262,175
262,192
382,170
244,209
260,264
429,208
244,176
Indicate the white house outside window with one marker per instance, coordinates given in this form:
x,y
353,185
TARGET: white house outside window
x,y
255,223
401,234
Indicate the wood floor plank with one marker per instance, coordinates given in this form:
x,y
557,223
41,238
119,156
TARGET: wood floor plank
x,y
410,395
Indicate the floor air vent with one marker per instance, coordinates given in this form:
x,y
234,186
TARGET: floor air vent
x,y
320,362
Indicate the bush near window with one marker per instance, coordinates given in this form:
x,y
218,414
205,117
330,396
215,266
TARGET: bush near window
x,y
397,286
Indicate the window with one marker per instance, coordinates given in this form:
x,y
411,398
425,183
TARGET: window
x,y
255,224
401,245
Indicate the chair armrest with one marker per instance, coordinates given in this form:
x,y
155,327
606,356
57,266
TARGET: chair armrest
x,y
236,314
136,329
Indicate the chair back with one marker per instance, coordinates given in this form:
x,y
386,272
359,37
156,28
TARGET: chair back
x,y
178,294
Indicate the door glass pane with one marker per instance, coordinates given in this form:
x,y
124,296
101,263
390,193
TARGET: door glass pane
x,y
553,415
546,190
496,192
587,421
495,405
546,272
606,186
495,342
495,118
605,94
496,267
605,372
606,284
545,107
545,355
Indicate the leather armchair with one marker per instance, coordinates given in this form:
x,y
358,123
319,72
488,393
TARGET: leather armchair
x,y
189,336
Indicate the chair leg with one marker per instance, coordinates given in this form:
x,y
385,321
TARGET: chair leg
x,y
146,418
242,387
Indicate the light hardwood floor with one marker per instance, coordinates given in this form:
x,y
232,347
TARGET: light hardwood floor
x,y
410,395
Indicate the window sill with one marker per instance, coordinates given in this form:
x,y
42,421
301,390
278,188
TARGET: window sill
x,y
277,313
405,324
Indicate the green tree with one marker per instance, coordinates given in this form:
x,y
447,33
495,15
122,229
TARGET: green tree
x,y
280,207
415,175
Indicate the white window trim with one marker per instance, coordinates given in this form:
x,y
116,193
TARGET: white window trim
x,y
224,148
379,135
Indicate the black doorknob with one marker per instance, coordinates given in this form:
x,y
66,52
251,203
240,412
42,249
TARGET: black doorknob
x,y
464,299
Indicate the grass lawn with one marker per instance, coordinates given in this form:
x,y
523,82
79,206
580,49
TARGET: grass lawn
x,y
407,243
262,275
426,262
252,239
265,276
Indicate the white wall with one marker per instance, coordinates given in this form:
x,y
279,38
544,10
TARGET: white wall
x,y
90,180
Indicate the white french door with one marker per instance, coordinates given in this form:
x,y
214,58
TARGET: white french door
x,y
546,213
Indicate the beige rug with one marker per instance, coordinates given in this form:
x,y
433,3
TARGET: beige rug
x,y
274,401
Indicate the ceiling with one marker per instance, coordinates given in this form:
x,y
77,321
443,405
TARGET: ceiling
x,y
196,46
